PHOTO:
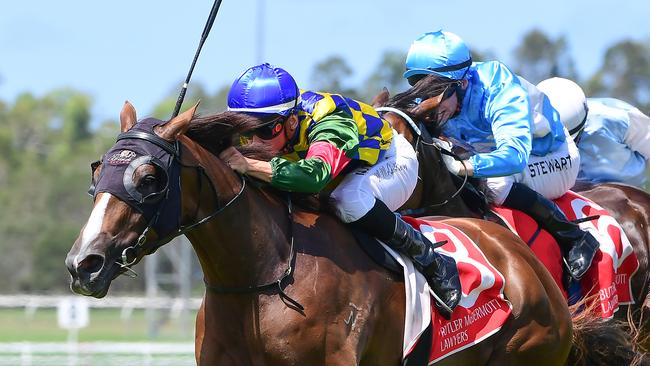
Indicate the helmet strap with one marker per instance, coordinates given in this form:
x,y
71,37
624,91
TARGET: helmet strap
x,y
466,64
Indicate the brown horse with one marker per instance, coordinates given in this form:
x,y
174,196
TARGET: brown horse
x,y
438,194
630,206
286,286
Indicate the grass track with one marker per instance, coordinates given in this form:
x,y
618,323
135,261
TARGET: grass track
x,y
105,325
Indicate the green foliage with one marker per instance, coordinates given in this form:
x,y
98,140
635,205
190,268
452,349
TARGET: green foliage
x,y
625,74
46,145
540,57
331,75
388,74
196,93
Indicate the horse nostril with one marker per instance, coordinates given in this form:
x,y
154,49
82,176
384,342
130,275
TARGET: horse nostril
x,y
91,264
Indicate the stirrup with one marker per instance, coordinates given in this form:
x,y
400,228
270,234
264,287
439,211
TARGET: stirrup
x,y
440,302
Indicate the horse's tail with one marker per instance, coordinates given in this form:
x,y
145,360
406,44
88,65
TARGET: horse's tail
x,y
598,341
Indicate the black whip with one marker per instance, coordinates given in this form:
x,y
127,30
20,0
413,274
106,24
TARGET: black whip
x,y
204,36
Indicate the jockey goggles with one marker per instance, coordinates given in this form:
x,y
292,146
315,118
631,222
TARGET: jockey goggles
x,y
268,130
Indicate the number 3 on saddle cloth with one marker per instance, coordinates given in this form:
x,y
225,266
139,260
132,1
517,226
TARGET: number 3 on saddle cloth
x,y
482,309
608,278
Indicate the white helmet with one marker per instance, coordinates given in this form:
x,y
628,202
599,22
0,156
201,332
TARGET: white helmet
x,y
569,100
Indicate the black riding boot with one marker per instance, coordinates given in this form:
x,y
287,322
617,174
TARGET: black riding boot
x,y
439,270
578,247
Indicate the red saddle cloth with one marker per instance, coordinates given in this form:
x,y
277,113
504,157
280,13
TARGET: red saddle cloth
x,y
482,309
613,266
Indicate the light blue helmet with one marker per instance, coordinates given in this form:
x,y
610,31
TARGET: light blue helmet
x,y
440,53
264,89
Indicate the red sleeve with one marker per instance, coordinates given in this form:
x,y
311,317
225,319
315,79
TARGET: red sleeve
x,y
328,153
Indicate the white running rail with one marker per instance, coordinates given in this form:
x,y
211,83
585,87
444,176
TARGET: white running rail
x,y
96,354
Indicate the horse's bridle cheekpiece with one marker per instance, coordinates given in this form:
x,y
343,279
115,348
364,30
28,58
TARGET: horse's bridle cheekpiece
x,y
134,148
162,208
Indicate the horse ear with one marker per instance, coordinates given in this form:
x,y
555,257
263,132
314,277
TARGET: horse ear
x,y
127,116
426,106
381,98
177,126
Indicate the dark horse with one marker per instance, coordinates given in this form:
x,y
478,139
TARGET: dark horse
x,y
285,286
439,194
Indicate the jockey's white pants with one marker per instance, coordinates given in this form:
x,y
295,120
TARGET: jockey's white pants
x,y
391,180
551,175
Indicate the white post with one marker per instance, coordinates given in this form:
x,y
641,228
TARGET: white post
x,y
185,285
73,346
26,355
151,287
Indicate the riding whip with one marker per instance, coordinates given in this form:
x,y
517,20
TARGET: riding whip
x,y
204,36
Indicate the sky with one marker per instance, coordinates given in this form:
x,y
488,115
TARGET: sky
x,y
141,50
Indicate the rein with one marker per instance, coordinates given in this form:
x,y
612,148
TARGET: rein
x,y
420,142
423,210
279,283
174,150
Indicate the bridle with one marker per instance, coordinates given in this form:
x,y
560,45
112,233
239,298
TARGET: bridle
x,y
143,246
131,254
435,143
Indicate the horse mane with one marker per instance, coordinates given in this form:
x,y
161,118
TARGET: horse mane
x,y
426,87
218,131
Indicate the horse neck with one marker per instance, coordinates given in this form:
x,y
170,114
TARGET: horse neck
x,y
246,243
439,186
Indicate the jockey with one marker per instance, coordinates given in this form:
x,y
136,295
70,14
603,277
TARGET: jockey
x,y
322,136
523,149
613,137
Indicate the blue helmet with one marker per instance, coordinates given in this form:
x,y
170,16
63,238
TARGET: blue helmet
x,y
264,89
440,53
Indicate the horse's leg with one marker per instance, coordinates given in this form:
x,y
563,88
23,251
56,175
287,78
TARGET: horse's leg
x,y
538,331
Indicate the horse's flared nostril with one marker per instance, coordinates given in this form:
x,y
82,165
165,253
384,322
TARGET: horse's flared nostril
x,y
91,264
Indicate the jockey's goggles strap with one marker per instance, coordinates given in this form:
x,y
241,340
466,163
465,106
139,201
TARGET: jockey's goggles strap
x,y
459,66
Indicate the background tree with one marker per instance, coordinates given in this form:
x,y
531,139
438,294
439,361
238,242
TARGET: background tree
x,y
539,57
196,92
331,75
47,143
624,74
387,74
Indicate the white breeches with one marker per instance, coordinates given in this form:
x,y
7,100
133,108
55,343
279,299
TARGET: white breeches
x,y
391,180
551,175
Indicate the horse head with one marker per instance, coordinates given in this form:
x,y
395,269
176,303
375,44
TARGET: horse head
x,y
138,202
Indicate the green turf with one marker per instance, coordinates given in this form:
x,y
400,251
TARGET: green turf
x,y
105,325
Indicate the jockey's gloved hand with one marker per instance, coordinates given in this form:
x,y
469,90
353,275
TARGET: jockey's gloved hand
x,y
453,165
443,144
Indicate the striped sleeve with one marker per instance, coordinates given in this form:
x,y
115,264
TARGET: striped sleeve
x,y
332,142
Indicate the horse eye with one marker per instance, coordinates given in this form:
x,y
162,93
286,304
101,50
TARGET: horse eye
x,y
147,181
94,166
